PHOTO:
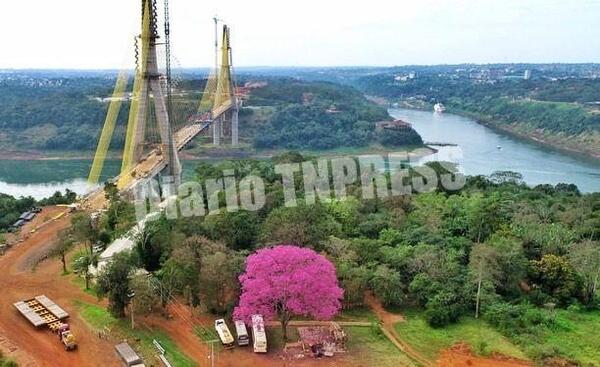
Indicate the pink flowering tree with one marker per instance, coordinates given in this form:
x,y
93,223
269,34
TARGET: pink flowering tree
x,y
284,281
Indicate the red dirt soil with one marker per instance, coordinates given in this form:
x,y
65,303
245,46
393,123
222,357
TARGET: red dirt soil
x,y
179,328
460,355
26,273
20,279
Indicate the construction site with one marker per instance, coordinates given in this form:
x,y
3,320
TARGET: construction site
x,y
47,318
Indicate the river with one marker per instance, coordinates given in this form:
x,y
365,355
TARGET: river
x,y
481,150
42,178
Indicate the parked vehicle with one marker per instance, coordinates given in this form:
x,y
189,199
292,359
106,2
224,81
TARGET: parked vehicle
x,y
66,337
258,334
224,334
42,311
242,333
98,248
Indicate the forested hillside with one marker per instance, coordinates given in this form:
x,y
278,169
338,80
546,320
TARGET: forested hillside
x,y
564,112
321,115
54,112
526,260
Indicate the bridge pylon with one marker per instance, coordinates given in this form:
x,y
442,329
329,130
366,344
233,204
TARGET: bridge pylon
x,y
151,96
220,105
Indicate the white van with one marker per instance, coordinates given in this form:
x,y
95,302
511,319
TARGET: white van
x,y
224,334
258,334
242,333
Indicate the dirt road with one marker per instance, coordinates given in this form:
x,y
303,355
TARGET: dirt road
x,y
21,279
459,355
388,320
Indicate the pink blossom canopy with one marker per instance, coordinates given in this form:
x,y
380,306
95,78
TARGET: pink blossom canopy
x,y
298,279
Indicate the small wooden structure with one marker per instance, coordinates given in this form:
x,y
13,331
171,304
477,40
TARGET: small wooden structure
x,y
323,340
128,355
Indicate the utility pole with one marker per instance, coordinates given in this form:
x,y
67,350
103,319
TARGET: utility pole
x,y
131,296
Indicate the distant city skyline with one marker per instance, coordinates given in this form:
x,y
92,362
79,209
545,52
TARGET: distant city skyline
x,y
70,34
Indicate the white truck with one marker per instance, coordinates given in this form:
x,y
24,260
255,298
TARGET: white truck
x,y
224,334
242,333
258,334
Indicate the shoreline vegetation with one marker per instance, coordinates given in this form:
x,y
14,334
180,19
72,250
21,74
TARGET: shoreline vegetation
x,y
221,153
559,107
568,144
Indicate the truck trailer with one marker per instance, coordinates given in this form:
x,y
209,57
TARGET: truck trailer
x,y
40,311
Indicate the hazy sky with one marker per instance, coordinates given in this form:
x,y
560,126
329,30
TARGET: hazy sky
x,y
98,34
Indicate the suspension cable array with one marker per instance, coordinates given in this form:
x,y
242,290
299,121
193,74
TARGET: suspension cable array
x,y
161,129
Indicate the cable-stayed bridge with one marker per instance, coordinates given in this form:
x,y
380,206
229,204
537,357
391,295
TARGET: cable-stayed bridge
x,y
155,132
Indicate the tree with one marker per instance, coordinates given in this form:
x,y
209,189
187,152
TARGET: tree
x,y
284,281
203,270
83,230
146,299
585,257
387,286
64,245
153,242
237,229
306,225
82,266
114,282
555,276
484,268
5,362
219,286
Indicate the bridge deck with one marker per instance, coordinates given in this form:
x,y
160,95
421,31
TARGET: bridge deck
x,y
149,166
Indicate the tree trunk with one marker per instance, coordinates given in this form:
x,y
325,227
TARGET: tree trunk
x,y
64,262
284,330
87,280
478,297
285,319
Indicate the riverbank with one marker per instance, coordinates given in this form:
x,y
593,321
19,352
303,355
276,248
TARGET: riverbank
x,y
482,150
211,153
587,146
582,146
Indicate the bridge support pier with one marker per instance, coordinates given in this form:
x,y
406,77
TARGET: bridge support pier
x,y
234,126
216,130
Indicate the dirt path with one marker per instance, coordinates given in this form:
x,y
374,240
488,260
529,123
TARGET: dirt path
x,y
460,355
388,321
20,280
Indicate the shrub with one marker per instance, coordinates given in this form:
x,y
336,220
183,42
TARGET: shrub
x,y
442,309
518,319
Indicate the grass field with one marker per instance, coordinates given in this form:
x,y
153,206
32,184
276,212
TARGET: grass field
x,y
366,345
370,346
98,318
577,338
483,338
357,314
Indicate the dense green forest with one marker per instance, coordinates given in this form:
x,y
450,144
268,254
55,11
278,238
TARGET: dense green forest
x,y
320,115
11,208
67,113
524,259
59,114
